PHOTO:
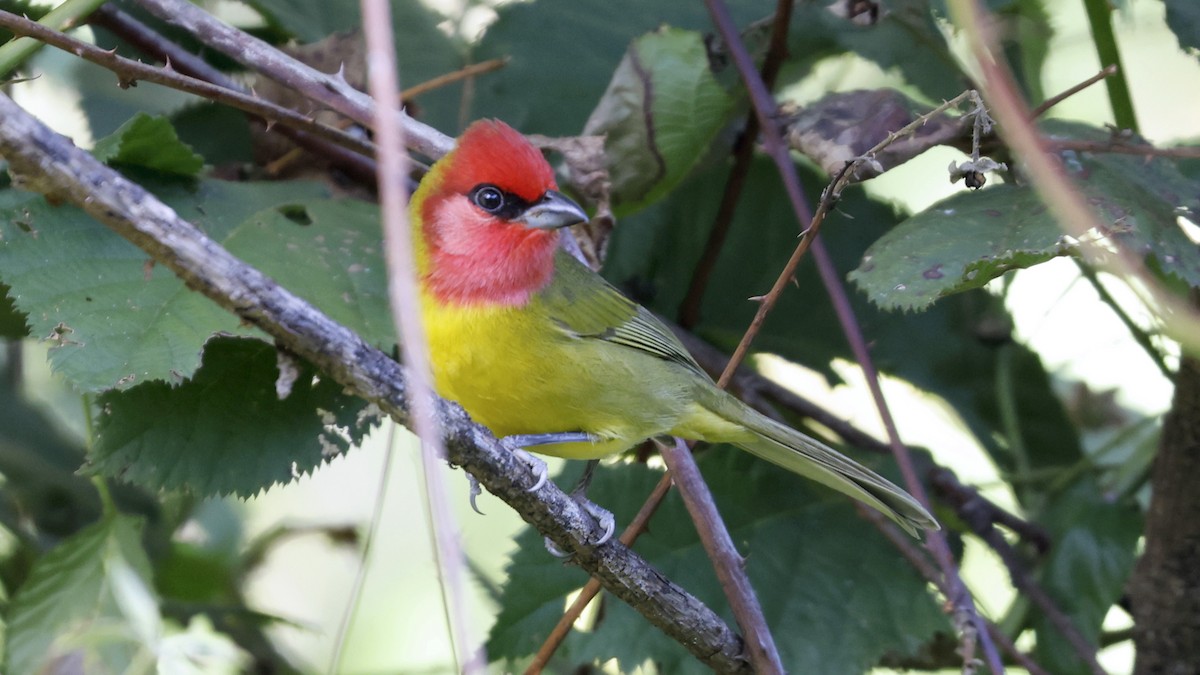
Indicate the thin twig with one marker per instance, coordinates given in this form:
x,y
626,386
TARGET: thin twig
x,y
1119,147
743,154
48,163
828,200
405,300
330,90
129,72
964,606
1061,96
1140,336
468,71
349,613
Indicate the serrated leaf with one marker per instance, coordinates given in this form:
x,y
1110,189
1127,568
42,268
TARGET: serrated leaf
x,y
1095,543
69,593
225,430
661,111
835,594
118,319
966,240
149,143
1183,18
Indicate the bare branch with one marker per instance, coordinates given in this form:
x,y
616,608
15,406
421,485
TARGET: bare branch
x,y
129,72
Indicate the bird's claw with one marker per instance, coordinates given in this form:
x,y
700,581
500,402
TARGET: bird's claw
x,y
603,517
476,490
537,467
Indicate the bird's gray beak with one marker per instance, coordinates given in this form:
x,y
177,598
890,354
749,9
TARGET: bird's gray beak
x,y
552,211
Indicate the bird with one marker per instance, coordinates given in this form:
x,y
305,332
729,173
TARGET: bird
x,y
549,356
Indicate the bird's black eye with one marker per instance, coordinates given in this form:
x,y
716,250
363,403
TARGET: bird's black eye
x,y
489,198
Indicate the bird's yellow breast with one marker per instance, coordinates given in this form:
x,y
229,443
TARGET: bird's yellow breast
x,y
517,372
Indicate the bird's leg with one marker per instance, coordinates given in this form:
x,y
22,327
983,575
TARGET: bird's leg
x,y
602,515
517,444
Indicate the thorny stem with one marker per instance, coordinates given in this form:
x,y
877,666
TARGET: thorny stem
x,y
977,517
967,618
141,36
129,72
324,88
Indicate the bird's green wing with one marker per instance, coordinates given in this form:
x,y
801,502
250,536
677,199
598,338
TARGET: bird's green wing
x,y
586,306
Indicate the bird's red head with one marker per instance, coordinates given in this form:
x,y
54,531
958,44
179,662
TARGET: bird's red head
x,y
486,219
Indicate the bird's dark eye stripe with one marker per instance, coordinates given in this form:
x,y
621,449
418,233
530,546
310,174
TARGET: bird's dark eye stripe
x,y
497,202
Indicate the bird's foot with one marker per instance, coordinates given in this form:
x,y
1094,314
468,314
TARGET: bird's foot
x,y
476,490
604,518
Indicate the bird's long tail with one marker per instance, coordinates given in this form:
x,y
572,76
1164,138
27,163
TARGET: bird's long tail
x,y
796,452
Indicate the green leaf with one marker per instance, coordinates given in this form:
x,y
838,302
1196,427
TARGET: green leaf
x,y
150,143
960,243
968,239
1183,18
79,597
1095,544
563,52
836,595
218,133
118,319
226,430
659,115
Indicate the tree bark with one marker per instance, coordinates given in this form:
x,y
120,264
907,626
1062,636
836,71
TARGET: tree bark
x,y
1165,588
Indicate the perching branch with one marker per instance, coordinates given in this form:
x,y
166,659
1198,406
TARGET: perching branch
x,y
46,162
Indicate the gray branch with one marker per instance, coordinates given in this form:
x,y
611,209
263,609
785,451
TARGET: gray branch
x,y
325,88
46,162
